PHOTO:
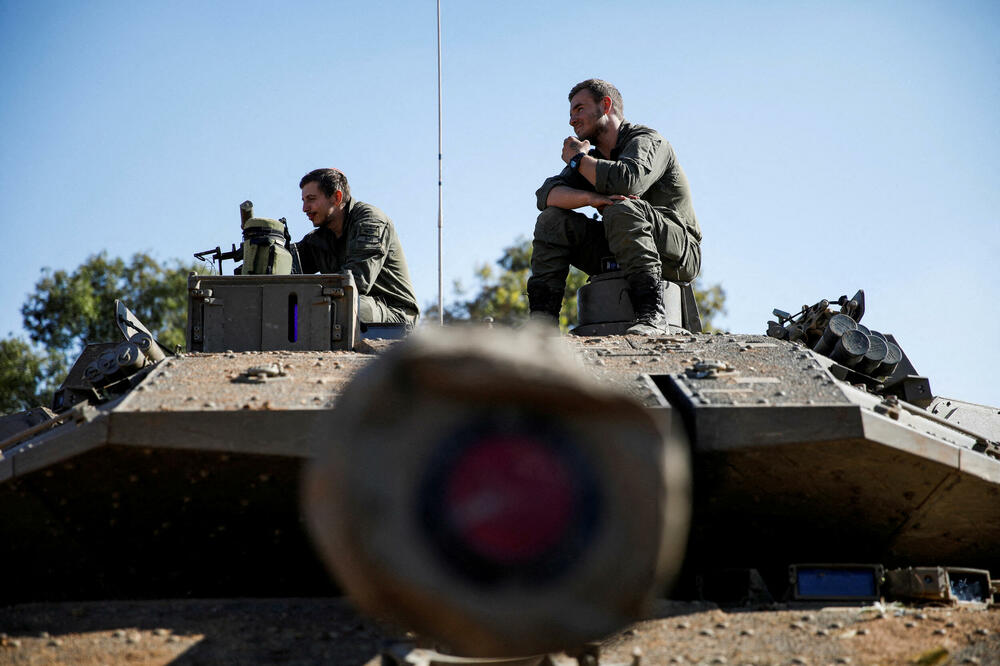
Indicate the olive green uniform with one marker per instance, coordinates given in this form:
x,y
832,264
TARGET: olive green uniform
x,y
656,233
370,249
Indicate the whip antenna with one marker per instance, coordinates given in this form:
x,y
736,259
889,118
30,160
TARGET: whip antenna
x,y
440,197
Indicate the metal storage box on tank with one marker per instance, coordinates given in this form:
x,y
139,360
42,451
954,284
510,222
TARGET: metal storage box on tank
x,y
295,312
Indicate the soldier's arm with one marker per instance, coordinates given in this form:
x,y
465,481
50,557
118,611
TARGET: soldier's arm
x,y
563,196
567,190
642,162
367,251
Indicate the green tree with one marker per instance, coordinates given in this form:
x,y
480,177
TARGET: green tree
x,y
67,310
711,302
26,377
502,294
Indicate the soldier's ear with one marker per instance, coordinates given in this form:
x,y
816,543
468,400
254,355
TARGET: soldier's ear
x,y
606,104
338,197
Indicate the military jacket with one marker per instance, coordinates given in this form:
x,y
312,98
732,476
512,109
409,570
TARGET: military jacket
x,y
642,163
369,248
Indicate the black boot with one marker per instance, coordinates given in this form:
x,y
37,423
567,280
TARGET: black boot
x,y
647,302
544,302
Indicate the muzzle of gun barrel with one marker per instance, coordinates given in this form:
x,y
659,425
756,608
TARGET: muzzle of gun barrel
x,y
850,348
129,357
892,358
835,329
93,374
148,346
877,349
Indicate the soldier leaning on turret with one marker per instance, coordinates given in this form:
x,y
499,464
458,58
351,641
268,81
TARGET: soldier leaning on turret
x,y
630,174
358,237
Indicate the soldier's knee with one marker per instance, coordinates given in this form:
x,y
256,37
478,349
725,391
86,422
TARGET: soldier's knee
x,y
551,215
551,225
630,214
627,208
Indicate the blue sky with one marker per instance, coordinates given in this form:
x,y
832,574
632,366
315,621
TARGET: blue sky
x,y
829,146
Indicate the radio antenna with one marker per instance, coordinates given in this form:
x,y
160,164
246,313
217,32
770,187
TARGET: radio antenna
x,y
440,193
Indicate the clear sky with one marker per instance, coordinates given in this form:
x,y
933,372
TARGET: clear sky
x,y
830,146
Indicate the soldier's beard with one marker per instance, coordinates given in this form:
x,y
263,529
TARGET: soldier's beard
x,y
599,127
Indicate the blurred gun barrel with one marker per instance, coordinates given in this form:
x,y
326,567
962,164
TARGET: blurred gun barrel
x,y
477,488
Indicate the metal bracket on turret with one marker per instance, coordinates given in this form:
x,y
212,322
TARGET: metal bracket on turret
x,y
987,447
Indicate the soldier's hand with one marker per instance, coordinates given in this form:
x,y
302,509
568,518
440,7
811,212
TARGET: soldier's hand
x,y
602,201
572,146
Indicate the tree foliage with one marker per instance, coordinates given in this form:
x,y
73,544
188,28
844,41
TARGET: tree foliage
x,y
67,310
502,294
27,378
711,302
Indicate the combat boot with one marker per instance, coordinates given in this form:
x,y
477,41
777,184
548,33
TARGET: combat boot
x,y
647,302
544,303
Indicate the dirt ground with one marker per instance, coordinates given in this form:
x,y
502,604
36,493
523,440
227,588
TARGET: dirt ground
x,y
328,631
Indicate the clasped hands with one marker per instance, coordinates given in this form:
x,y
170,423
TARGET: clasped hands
x,y
571,147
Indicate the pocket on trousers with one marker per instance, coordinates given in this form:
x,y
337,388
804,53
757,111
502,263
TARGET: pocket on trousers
x,y
672,242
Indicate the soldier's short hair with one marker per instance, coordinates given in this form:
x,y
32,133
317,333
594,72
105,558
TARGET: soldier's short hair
x,y
601,89
328,180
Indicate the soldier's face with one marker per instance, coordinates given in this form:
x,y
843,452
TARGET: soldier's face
x,y
318,207
586,116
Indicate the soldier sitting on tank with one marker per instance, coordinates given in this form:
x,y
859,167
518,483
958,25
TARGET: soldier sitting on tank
x,y
631,175
353,236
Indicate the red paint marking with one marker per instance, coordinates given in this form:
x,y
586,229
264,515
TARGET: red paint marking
x,y
510,498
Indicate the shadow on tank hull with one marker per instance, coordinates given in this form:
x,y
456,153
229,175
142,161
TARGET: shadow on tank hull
x,y
157,523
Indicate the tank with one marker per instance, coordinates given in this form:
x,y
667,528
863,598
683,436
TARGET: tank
x,y
501,492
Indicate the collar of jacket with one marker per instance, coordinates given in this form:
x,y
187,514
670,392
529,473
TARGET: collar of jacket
x,y
348,211
624,134
623,131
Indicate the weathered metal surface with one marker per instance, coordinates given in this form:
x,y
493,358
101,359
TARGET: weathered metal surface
x,y
792,464
268,312
225,382
130,522
749,370
187,485
980,418
941,585
15,423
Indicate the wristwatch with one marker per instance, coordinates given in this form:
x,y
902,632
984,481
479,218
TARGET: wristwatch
x,y
574,163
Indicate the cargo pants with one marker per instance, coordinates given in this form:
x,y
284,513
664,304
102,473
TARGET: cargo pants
x,y
374,311
639,236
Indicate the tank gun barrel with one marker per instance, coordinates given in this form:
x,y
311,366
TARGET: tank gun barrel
x,y
479,489
216,254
